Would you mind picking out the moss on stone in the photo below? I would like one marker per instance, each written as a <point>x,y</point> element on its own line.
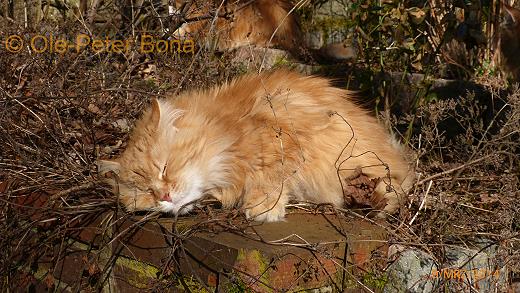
<point>326,25</point>
<point>375,281</point>
<point>143,272</point>
<point>193,285</point>
<point>282,61</point>
<point>256,257</point>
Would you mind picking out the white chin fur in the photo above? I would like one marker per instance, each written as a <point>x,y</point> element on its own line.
<point>169,207</point>
<point>182,202</point>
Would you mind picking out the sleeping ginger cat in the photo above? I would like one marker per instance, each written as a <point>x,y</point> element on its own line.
<point>259,140</point>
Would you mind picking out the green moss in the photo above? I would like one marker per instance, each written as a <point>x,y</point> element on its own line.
<point>325,25</point>
<point>376,281</point>
<point>255,256</point>
<point>282,61</point>
<point>331,23</point>
<point>238,286</point>
<point>193,285</point>
<point>142,272</point>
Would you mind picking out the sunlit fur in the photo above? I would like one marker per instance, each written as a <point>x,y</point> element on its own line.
<point>257,141</point>
<point>246,23</point>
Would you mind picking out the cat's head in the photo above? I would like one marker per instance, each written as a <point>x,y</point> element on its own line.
<point>149,175</point>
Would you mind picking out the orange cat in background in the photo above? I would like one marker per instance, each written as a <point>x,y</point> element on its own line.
<point>257,23</point>
<point>264,23</point>
<point>259,141</point>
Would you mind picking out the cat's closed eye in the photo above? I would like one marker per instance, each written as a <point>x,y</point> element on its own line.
<point>164,169</point>
<point>161,169</point>
<point>138,174</point>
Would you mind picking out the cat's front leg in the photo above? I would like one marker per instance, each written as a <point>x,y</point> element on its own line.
<point>265,204</point>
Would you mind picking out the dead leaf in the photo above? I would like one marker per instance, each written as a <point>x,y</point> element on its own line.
<point>359,189</point>
<point>49,280</point>
<point>487,199</point>
<point>94,109</point>
<point>416,14</point>
<point>93,269</point>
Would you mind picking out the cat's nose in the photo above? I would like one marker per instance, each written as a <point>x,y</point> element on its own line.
<point>166,197</point>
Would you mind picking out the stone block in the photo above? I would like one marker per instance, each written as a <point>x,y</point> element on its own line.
<point>306,251</point>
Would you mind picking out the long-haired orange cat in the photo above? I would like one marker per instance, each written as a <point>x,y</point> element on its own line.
<point>258,141</point>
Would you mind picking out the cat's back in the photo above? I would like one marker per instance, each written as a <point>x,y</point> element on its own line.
<point>279,90</point>
<point>285,94</point>
<point>280,96</point>
<point>253,92</point>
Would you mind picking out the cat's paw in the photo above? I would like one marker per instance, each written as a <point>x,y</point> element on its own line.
<point>388,198</point>
<point>261,213</point>
<point>394,201</point>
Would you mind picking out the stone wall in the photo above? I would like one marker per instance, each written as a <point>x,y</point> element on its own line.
<point>305,252</point>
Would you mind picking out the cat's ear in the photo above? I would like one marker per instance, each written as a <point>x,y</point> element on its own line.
<point>105,166</point>
<point>162,112</point>
<point>156,113</point>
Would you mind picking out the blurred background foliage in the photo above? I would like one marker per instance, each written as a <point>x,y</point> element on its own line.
<point>450,39</point>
